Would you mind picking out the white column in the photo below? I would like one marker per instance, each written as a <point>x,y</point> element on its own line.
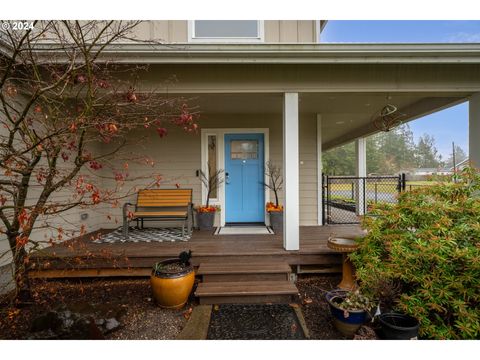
<point>291,220</point>
<point>474,130</point>
<point>319,171</point>
<point>360,171</point>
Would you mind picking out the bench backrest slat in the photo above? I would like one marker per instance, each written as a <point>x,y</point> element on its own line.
<point>164,198</point>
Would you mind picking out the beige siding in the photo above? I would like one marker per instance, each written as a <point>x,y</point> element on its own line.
<point>177,157</point>
<point>169,31</point>
<point>291,31</point>
<point>176,31</point>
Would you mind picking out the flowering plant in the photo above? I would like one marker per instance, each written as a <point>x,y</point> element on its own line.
<point>271,207</point>
<point>275,183</point>
<point>207,209</point>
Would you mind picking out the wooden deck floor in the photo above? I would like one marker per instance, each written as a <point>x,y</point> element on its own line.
<point>82,256</point>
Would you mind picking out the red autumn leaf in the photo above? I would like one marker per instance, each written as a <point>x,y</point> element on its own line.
<point>95,165</point>
<point>162,132</point>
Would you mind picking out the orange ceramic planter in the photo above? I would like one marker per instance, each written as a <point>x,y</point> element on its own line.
<point>171,290</point>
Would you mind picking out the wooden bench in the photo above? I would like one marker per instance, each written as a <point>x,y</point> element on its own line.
<point>160,205</point>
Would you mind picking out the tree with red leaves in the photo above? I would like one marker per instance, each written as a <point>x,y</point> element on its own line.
<point>60,97</point>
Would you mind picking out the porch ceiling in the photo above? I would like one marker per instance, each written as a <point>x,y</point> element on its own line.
<point>345,116</point>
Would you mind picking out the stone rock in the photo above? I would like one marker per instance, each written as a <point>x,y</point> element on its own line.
<point>77,321</point>
<point>111,324</point>
<point>365,333</point>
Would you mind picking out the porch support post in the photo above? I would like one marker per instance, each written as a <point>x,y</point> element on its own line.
<point>319,171</point>
<point>474,130</point>
<point>360,171</point>
<point>291,221</point>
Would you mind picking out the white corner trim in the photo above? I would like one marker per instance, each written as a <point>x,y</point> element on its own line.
<point>291,172</point>
<point>360,171</point>
<point>319,171</point>
<point>317,31</point>
<point>206,40</point>
<point>474,130</point>
<point>220,133</point>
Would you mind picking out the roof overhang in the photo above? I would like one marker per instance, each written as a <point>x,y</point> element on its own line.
<point>312,53</point>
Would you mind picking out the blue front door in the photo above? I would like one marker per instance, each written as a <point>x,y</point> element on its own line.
<point>244,175</point>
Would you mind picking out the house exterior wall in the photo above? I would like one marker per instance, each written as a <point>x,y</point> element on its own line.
<point>178,155</point>
<point>69,220</point>
<point>276,31</point>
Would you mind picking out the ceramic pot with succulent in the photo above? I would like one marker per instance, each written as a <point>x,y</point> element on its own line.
<point>211,180</point>
<point>172,281</point>
<point>350,310</point>
<point>275,183</point>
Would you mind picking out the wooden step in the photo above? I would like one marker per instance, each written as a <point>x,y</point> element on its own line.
<point>228,272</point>
<point>245,292</point>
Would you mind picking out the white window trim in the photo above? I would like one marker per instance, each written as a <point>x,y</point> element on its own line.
<point>220,133</point>
<point>193,38</point>
<point>216,200</point>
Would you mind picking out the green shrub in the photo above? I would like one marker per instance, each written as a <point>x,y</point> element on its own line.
<point>428,248</point>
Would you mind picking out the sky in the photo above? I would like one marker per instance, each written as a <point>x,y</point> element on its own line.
<point>446,126</point>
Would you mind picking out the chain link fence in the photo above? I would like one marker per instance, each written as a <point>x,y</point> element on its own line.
<point>347,198</point>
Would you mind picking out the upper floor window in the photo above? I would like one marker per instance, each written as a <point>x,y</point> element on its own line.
<point>226,31</point>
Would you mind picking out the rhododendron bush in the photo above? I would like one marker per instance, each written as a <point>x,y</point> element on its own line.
<point>427,248</point>
<point>58,106</point>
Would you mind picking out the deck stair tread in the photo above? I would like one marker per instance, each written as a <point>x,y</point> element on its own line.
<point>246,288</point>
<point>243,268</point>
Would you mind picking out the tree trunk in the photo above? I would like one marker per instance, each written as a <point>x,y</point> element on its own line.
<point>22,282</point>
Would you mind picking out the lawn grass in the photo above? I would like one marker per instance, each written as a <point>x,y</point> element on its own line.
<point>380,187</point>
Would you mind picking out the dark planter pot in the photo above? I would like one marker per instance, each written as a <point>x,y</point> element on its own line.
<point>205,220</point>
<point>171,290</point>
<point>276,221</point>
<point>394,326</point>
<point>347,322</point>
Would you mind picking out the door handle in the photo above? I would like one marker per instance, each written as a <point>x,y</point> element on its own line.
<point>227,178</point>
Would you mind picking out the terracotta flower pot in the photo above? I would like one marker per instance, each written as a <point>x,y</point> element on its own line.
<point>171,289</point>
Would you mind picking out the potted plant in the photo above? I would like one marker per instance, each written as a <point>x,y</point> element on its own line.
<point>390,324</point>
<point>275,183</point>
<point>350,310</point>
<point>172,281</point>
<point>396,326</point>
<point>206,216</point>
<point>206,213</point>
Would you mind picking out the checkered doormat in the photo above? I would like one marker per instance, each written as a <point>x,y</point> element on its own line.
<point>145,235</point>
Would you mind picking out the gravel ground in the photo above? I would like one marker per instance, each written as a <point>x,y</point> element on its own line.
<point>315,309</point>
<point>142,319</point>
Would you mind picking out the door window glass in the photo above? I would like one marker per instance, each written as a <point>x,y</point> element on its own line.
<point>244,149</point>
<point>212,159</point>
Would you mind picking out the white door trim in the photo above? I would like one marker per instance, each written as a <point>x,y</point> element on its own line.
<point>220,133</point>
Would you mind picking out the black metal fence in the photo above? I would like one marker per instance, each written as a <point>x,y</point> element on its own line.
<point>347,198</point>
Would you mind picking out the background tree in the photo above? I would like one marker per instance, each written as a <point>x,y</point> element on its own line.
<point>387,153</point>
<point>339,160</point>
<point>398,149</point>
<point>460,155</point>
<point>57,106</point>
<point>426,153</point>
